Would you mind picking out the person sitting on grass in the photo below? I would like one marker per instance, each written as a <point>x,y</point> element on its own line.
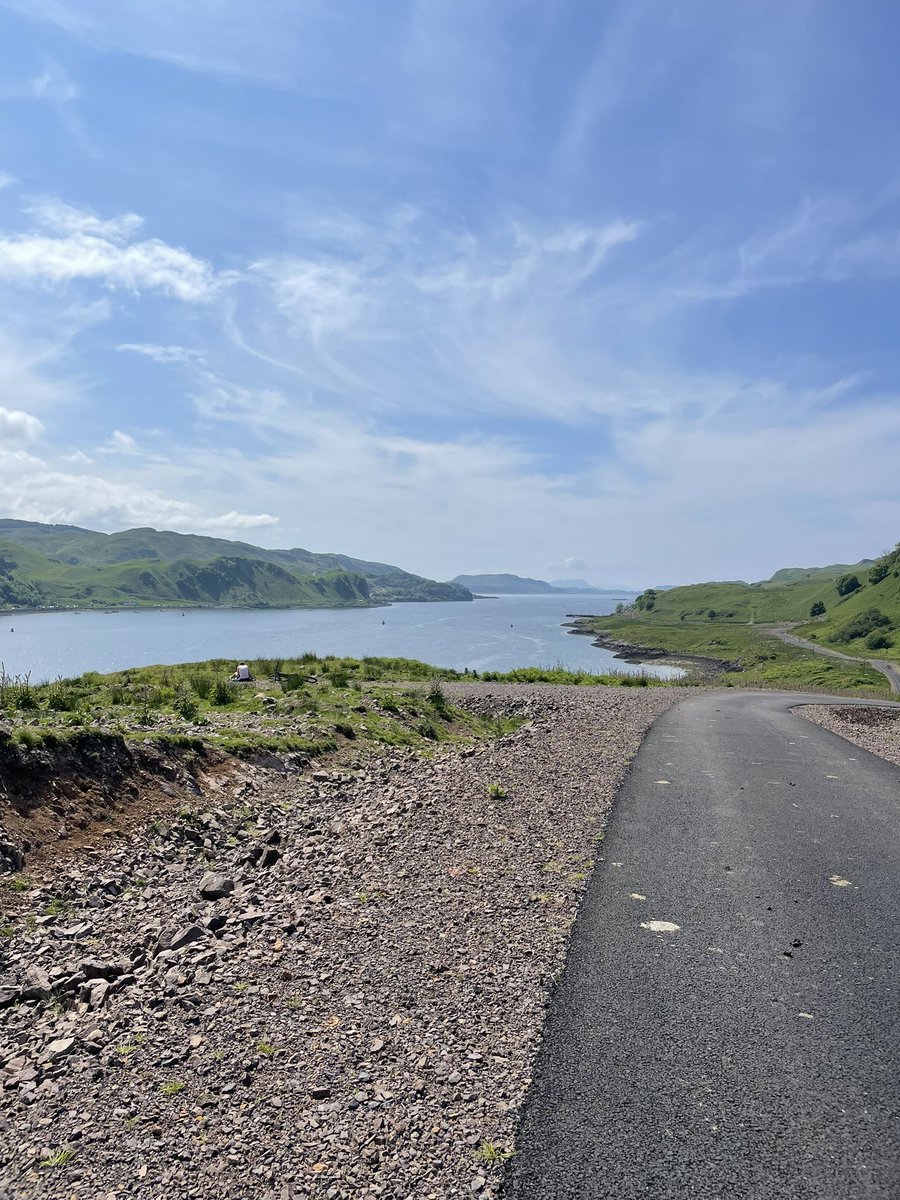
<point>242,674</point>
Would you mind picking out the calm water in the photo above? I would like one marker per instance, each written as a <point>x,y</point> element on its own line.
<point>487,635</point>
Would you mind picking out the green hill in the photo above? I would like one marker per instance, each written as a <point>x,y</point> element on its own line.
<point>852,608</point>
<point>63,565</point>
<point>788,596</point>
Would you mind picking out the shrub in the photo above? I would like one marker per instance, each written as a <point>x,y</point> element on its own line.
<point>186,706</point>
<point>878,641</point>
<point>861,625</point>
<point>202,684</point>
<point>847,584</point>
<point>880,571</point>
<point>817,609</point>
<point>222,693</point>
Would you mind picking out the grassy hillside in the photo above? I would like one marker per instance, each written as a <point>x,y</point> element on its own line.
<point>866,620</point>
<point>853,609</point>
<point>757,659</point>
<point>788,596</point>
<point>29,580</point>
<point>66,565</point>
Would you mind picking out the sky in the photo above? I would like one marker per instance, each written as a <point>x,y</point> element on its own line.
<point>558,287</point>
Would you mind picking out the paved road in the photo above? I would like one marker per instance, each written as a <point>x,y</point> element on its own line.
<point>753,1052</point>
<point>888,669</point>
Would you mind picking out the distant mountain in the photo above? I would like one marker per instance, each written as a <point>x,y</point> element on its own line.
<point>581,585</point>
<point>573,585</point>
<point>44,566</point>
<point>512,585</point>
<point>522,585</point>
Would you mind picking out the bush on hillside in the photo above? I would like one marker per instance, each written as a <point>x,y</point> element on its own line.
<point>847,584</point>
<point>867,622</point>
<point>878,641</point>
<point>817,609</point>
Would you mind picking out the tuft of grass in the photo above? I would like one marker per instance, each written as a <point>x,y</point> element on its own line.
<point>265,1047</point>
<point>59,1159</point>
<point>172,1087</point>
<point>488,1152</point>
<point>496,791</point>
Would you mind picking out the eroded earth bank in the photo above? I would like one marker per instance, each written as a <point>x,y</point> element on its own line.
<point>319,983</point>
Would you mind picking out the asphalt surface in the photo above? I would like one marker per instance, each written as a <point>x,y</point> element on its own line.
<point>753,1051</point>
<point>891,671</point>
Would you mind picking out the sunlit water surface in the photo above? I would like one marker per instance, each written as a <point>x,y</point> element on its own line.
<point>486,635</point>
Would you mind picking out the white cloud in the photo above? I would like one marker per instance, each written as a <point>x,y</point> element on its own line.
<point>6,180</point>
<point>319,298</point>
<point>166,355</point>
<point>35,489</point>
<point>65,219</point>
<point>53,84</point>
<point>19,426</point>
<point>92,248</point>
<point>122,443</point>
<point>138,267</point>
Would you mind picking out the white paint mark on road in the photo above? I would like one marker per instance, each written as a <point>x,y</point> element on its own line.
<point>807,1016</point>
<point>832,776</point>
<point>637,896</point>
<point>660,926</point>
<point>838,881</point>
<point>664,781</point>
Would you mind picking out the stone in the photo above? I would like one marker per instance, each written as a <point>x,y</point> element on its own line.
<point>61,1047</point>
<point>96,968</point>
<point>37,985</point>
<point>214,886</point>
<point>187,936</point>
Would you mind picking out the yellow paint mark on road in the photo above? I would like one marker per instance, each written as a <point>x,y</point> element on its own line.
<point>663,781</point>
<point>838,881</point>
<point>660,926</point>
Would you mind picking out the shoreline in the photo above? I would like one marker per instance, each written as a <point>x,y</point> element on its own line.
<point>699,665</point>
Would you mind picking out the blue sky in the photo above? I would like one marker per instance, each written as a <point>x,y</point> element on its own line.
<point>556,287</point>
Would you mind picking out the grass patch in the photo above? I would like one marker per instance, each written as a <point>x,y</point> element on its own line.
<point>758,658</point>
<point>59,1159</point>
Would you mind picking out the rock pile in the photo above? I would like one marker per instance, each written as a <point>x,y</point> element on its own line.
<point>328,985</point>
<point>874,729</point>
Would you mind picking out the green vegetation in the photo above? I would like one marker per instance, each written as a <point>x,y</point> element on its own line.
<point>867,618</point>
<point>489,1153</point>
<point>59,1159</point>
<point>45,566</point>
<point>755,656</point>
<point>172,1087</point>
<point>308,705</point>
<point>854,608</point>
<point>496,791</point>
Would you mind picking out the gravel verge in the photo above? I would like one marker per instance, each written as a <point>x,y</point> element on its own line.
<point>874,729</point>
<point>321,985</point>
